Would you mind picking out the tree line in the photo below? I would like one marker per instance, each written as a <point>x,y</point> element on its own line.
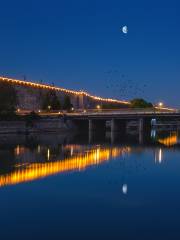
<point>49,100</point>
<point>134,103</point>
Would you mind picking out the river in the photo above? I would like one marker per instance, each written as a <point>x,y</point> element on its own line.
<point>68,187</point>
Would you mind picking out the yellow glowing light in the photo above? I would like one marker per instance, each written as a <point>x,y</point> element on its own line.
<point>49,87</point>
<point>17,150</point>
<point>160,104</point>
<point>48,154</point>
<point>98,106</point>
<point>170,140</point>
<point>78,162</point>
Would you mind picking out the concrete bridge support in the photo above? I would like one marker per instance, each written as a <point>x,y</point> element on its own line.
<point>114,136</point>
<point>144,127</point>
<point>141,124</point>
<point>141,130</point>
<point>97,125</point>
<point>118,127</point>
<point>81,125</point>
<point>97,129</point>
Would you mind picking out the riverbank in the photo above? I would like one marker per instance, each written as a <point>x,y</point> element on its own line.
<point>36,126</point>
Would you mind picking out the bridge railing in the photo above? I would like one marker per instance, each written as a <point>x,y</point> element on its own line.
<point>100,111</point>
<point>125,111</point>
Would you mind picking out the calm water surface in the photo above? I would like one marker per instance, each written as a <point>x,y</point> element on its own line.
<point>73,187</point>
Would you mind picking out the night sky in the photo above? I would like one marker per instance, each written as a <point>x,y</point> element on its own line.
<point>80,45</point>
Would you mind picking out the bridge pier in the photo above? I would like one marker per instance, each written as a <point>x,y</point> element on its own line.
<point>141,124</point>
<point>114,137</point>
<point>141,130</point>
<point>97,125</point>
<point>91,125</point>
<point>118,125</point>
<point>81,125</point>
<point>97,129</point>
<point>90,137</point>
<point>144,129</point>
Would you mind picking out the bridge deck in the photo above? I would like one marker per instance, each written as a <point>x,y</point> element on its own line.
<point>128,114</point>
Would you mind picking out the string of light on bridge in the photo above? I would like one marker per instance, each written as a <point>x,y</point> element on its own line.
<point>67,91</point>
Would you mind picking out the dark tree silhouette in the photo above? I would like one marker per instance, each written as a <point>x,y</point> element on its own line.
<point>67,105</point>
<point>51,101</point>
<point>140,103</point>
<point>8,97</point>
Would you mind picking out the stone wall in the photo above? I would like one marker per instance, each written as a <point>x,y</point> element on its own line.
<point>42,125</point>
<point>30,96</point>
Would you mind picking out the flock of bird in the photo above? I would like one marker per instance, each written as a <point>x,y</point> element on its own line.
<point>121,86</point>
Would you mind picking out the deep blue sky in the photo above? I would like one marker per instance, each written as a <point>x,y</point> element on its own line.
<point>79,45</point>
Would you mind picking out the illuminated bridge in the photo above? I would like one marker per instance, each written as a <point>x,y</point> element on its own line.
<point>97,121</point>
<point>30,95</point>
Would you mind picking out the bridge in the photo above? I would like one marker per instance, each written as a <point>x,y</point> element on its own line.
<point>99,121</point>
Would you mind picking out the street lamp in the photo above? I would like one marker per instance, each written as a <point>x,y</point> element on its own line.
<point>49,107</point>
<point>98,106</point>
<point>160,104</point>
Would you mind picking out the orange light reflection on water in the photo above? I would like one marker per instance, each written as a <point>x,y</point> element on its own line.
<point>79,162</point>
<point>170,140</point>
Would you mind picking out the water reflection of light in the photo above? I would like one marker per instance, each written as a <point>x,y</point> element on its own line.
<point>170,140</point>
<point>124,189</point>
<point>19,150</point>
<point>158,156</point>
<point>39,149</point>
<point>72,150</point>
<point>153,133</point>
<point>48,154</point>
<point>74,146</point>
<point>77,162</point>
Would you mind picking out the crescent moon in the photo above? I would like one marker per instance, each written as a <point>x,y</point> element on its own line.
<point>125,29</point>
